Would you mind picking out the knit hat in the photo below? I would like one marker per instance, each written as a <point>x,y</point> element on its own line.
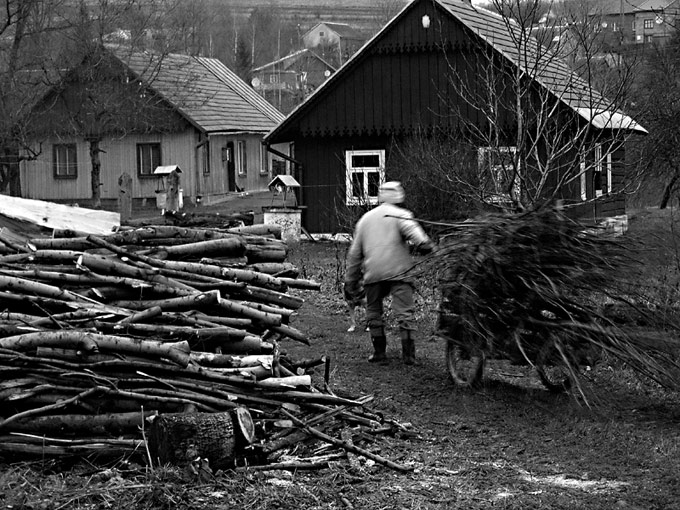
<point>391,192</point>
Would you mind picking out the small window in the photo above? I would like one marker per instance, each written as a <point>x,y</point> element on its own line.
<point>498,174</point>
<point>64,161</point>
<point>649,24</point>
<point>205,158</point>
<point>609,172</point>
<point>365,172</point>
<point>278,167</point>
<point>241,159</point>
<point>148,158</point>
<point>264,160</point>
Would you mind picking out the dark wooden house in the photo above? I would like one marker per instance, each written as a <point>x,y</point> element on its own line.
<point>410,78</point>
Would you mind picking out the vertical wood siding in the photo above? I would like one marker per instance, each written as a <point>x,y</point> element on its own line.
<point>404,82</point>
<point>120,155</point>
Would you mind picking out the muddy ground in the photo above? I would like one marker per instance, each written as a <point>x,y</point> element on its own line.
<point>510,444</point>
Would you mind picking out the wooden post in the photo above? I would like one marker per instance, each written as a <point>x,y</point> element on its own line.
<point>125,198</point>
<point>172,199</point>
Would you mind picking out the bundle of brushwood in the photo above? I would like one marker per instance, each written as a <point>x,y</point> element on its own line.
<point>536,286</point>
<point>160,341</point>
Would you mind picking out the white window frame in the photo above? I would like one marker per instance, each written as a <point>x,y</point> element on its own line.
<point>598,170</point>
<point>205,157</point>
<point>351,170</point>
<point>151,148</point>
<point>485,165</point>
<point>65,161</point>
<point>584,182</point>
<point>609,173</point>
<point>264,160</point>
<point>241,157</point>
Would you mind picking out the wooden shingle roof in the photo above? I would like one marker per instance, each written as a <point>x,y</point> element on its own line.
<point>504,37</point>
<point>205,91</point>
<point>552,72</point>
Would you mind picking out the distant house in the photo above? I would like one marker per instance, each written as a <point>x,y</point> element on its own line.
<point>336,42</point>
<point>401,85</point>
<point>286,82</point>
<point>617,20</point>
<point>656,21</point>
<point>145,110</point>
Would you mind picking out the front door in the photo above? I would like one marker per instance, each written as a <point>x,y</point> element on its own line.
<point>230,167</point>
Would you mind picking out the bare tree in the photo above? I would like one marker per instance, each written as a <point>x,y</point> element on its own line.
<point>95,94</point>
<point>384,11</point>
<point>526,131</point>
<point>28,31</point>
<point>657,97</point>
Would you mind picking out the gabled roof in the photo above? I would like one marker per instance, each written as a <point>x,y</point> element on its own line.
<point>289,60</point>
<point>205,91</point>
<point>656,5</point>
<point>613,7</point>
<point>501,34</point>
<point>344,30</point>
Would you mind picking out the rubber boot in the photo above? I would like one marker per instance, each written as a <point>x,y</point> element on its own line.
<point>379,348</point>
<point>408,348</point>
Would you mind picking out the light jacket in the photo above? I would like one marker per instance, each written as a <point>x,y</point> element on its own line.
<point>379,250</point>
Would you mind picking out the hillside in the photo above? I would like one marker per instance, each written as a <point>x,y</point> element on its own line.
<point>361,14</point>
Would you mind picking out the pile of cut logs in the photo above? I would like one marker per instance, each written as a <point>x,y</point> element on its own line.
<point>163,341</point>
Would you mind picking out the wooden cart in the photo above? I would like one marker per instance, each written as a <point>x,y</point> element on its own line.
<point>535,339</point>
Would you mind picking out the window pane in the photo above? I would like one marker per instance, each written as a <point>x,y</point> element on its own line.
<point>148,157</point>
<point>366,160</point>
<point>64,160</point>
<point>357,185</point>
<point>155,157</point>
<point>373,183</point>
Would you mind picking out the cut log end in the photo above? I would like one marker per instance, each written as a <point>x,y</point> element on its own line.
<point>179,438</point>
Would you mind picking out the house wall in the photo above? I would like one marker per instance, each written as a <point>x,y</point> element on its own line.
<point>661,25</point>
<point>119,155</point>
<point>314,37</point>
<point>402,84</point>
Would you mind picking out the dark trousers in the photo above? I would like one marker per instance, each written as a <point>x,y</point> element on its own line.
<point>402,305</point>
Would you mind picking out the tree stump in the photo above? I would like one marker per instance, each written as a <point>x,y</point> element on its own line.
<point>180,438</point>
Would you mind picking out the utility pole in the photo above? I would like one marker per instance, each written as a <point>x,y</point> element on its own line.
<point>622,20</point>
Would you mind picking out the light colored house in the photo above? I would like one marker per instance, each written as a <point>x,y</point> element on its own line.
<point>616,19</point>
<point>656,21</point>
<point>286,82</point>
<point>336,42</point>
<point>143,111</point>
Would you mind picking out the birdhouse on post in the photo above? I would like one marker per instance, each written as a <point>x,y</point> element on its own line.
<point>168,192</point>
<point>288,218</point>
<point>281,185</point>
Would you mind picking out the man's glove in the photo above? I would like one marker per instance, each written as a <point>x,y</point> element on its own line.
<point>426,247</point>
<point>353,291</point>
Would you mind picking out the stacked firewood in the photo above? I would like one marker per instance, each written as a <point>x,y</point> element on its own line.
<point>171,329</point>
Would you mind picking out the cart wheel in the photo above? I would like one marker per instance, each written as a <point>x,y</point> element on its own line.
<point>465,367</point>
<point>552,369</point>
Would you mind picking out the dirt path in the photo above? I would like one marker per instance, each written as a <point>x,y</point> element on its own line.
<point>510,444</point>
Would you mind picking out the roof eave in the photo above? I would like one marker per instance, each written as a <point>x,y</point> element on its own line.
<point>610,120</point>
